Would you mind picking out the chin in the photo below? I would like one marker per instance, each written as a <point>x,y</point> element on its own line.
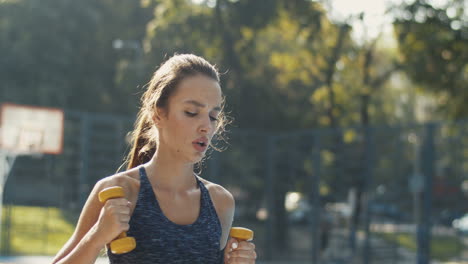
<point>198,158</point>
<point>194,158</point>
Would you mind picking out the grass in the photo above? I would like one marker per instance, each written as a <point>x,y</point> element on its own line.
<point>443,248</point>
<point>28,230</point>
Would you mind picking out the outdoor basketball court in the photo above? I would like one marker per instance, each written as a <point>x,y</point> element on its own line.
<point>38,260</point>
<point>48,260</point>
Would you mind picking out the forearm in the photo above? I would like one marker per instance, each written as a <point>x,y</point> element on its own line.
<point>86,251</point>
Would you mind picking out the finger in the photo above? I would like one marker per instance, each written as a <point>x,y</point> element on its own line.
<point>118,210</point>
<point>245,245</point>
<point>124,218</point>
<point>118,202</point>
<point>123,210</point>
<point>248,254</point>
<point>236,260</point>
<point>124,226</point>
<point>121,202</point>
<point>228,249</point>
<point>232,244</point>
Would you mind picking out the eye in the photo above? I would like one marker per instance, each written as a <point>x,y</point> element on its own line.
<point>213,119</point>
<point>190,114</point>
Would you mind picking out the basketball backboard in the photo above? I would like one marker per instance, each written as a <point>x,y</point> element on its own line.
<point>31,129</point>
<point>27,130</point>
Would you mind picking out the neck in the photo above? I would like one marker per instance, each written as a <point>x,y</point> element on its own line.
<point>170,174</point>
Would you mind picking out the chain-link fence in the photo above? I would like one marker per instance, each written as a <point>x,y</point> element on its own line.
<point>375,195</point>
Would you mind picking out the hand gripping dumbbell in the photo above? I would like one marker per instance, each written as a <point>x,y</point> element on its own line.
<point>241,233</point>
<point>122,243</point>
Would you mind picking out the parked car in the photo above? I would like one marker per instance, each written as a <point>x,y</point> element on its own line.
<point>386,210</point>
<point>461,224</point>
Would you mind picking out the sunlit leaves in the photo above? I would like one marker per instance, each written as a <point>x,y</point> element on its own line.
<point>434,47</point>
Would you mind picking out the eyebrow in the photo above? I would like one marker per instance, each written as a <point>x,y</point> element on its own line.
<point>198,104</point>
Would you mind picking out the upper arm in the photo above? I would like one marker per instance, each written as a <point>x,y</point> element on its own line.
<point>225,205</point>
<point>88,217</point>
<point>90,212</point>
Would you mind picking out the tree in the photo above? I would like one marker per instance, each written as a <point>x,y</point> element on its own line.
<point>433,45</point>
<point>60,53</point>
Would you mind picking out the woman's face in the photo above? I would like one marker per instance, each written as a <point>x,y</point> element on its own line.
<point>187,129</point>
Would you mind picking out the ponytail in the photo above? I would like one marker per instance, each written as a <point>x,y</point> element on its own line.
<point>144,143</point>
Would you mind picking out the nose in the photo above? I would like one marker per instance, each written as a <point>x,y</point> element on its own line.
<point>206,126</point>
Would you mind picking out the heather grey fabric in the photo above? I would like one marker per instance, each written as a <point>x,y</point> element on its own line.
<point>160,240</point>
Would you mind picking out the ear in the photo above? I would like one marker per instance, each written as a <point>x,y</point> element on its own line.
<point>157,117</point>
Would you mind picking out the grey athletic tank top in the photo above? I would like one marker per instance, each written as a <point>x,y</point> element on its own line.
<point>159,240</point>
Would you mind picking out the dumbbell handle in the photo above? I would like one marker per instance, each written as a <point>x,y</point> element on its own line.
<point>122,243</point>
<point>112,193</point>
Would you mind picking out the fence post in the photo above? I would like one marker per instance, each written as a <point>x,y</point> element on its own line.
<point>84,157</point>
<point>6,227</point>
<point>424,225</point>
<point>6,167</point>
<point>315,199</point>
<point>120,139</point>
<point>368,182</point>
<point>270,196</point>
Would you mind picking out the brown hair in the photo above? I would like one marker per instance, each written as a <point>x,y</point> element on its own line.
<point>162,85</point>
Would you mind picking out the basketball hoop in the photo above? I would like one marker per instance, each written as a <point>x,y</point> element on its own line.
<point>27,130</point>
<point>29,141</point>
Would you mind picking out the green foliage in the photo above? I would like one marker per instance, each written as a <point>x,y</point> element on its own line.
<point>433,43</point>
<point>277,62</point>
<point>59,53</point>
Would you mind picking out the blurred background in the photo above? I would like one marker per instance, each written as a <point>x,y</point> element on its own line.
<point>349,137</point>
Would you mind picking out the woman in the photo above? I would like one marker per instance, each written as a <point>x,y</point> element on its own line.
<point>174,215</point>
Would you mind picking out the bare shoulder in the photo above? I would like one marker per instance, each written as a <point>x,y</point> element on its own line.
<point>224,204</point>
<point>222,198</point>
<point>91,210</point>
<point>126,179</point>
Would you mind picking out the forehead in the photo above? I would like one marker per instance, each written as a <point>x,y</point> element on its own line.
<point>199,88</point>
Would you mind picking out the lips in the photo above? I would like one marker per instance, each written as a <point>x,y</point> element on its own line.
<point>200,144</point>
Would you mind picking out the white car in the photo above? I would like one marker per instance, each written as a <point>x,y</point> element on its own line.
<point>461,224</point>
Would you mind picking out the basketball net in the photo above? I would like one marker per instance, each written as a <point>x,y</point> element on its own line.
<point>28,142</point>
<point>27,130</point>
<point>23,140</point>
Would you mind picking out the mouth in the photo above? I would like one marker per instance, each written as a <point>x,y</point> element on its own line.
<point>200,144</point>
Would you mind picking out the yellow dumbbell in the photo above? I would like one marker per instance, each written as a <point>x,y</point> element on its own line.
<point>241,233</point>
<point>122,243</point>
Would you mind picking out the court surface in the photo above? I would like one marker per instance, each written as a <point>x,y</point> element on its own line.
<point>48,260</point>
<point>38,260</point>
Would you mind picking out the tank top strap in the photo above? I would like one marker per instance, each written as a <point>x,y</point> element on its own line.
<point>205,196</point>
<point>207,203</point>
<point>142,171</point>
<point>145,185</point>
